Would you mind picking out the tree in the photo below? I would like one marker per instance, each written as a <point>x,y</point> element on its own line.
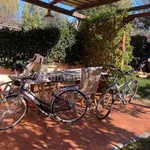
<point>32,16</point>
<point>8,9</point>
<point>58,20</point>
<point>141,25</point>
<point>122,4</point>
<point>141,47</point>
<point>68,50</point>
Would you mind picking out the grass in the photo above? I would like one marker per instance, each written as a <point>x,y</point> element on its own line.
<point>142,144</point>
<point>143,93</point>
<point>144,86</point>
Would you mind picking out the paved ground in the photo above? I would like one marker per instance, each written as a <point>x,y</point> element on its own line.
<point>35,132</point>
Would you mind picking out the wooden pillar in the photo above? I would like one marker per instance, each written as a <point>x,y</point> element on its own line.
<point>123,48</point>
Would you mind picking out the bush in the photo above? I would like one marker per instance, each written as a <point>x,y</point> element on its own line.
<point>68,50</point>
<point>26,43</point>
<point>53,43</point>
<point>141,46</point>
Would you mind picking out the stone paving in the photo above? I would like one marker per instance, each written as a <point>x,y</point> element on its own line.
<point>36,132</point>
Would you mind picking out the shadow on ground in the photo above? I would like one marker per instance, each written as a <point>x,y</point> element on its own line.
<point>36,132</point>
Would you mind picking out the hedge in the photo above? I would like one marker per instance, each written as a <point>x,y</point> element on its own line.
<point>51,42</point>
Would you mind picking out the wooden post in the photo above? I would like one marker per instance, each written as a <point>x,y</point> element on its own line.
<point>123,48</point>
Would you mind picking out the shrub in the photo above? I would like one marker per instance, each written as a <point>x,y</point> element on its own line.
<point>51,42</point>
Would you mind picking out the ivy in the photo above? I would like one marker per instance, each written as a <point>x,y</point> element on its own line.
<point>102,36</point>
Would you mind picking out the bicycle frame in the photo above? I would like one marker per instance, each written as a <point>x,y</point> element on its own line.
<point>32,98</point>
<point>118,87</point>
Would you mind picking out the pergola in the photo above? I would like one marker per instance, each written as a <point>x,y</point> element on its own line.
<point>77,5</point>
<point>139,15</point>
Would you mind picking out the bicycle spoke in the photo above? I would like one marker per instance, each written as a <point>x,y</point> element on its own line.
<point>77,106</point>
<point>12,113</point>
<point>104,105</point>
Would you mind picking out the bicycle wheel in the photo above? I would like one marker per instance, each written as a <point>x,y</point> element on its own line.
<point>12,111</point>
<point>104,105</point>
<point>70,105</point>
<point>130,90</point>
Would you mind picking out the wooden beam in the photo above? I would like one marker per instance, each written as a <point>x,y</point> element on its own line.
<point>124,42</point>
<point>72,3</point>
<point>94,4</point>
<point>123,49</point>
<point>38,3</point>
<point>140,7</point>
<point>140,15</point>
<point>55,2</point>
<point>56,8</point>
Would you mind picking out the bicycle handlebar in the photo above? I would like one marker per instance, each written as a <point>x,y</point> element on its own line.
<point>25,78</point>
<point>120,71</point>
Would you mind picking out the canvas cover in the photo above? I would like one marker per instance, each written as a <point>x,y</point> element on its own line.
<point>90,78</point>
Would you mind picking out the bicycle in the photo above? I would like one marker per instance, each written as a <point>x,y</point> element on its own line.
<point>124,92</point>
<point>65,105</point>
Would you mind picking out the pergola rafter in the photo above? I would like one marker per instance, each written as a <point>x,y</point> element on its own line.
<point>55,8</point>
<point>75,4</point>
<point>54,2</point>
<point>132,17</point>
<point>140,7</point>
<point>94,4</point>
<point>138,15</point>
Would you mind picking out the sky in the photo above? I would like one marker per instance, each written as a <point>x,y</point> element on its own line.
<point>60,5</point>
<point>135,3</point>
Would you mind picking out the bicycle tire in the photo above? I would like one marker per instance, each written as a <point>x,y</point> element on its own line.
<point>67,102</point>
<point>130,89</point>
<point>102,102</point>
<point>11,109</point>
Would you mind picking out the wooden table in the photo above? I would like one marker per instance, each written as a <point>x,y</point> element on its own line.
<point>46,78</point>
<point>69,76</point>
